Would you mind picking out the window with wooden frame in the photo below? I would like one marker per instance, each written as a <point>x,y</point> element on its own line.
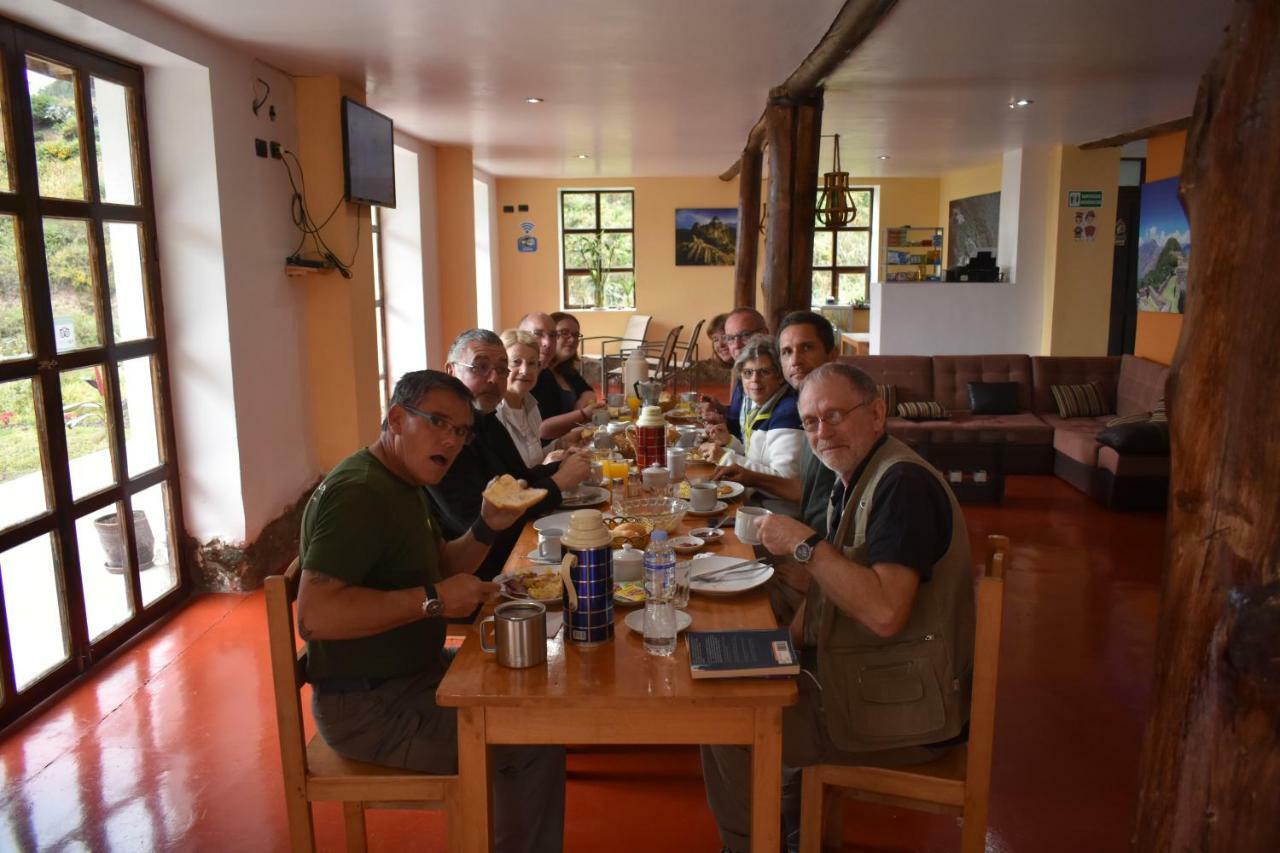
<point>842,256</point>
<point>90,510</point>
<point>597,249</point>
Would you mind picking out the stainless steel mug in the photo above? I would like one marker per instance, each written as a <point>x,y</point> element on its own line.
<point>519,630</point>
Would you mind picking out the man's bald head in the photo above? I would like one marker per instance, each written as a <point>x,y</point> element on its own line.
<point>544,329</point>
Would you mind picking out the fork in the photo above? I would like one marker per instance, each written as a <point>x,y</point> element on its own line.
<point>744,567</point>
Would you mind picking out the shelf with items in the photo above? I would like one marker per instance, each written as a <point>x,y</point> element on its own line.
<point>913,254</point>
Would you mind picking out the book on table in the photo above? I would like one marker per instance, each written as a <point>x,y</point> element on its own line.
<point>762,652</point>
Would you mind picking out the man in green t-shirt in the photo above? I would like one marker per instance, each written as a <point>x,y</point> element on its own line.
<point>806,341</point>
<point>377,581</point>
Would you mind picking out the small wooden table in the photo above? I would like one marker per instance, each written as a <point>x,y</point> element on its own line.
<point>616,693</point>
<point>858,342</point>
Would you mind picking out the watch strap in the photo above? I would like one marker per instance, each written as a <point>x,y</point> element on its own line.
<point>483,533</point>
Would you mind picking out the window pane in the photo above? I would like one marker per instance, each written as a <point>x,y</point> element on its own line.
<point>113,140</point>
<point>103,563</point>
<point>138,395</point>
<point>582,292</point>
<point>579,210</point>
<point>579,251</point>
<point>822,248</point>
<point>821,286</point>
<point>23,493</point>
<point>853,288</point>
<point>618,251</point>
<point>85,417</point>
<point>615,210</point>
<point>34,607</point>
<point>862,201</point>
<point>71,284</point>
<point>152,519</point>
<point>620,290</point>
<point>126,281</point>
<point>853,249</point>
<point>56,122</point>
<point>14,342</point>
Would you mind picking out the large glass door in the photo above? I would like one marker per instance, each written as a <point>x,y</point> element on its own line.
<point>89,504</point>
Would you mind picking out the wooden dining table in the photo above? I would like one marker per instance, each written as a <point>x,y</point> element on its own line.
<point>616,693</point>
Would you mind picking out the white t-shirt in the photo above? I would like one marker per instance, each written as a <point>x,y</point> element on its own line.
<point>524,425</point>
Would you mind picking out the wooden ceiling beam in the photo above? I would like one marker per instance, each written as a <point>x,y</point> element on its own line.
<point>1135,135</point>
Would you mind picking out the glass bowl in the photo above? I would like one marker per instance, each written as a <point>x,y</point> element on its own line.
<point>663,513</point>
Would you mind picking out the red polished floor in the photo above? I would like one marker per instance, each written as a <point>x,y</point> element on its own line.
<point>172,746</point>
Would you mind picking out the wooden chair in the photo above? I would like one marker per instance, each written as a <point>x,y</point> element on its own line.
<point>312,770</point>
<point>956,784</point>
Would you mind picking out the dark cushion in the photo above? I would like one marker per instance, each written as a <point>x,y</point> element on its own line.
<point>993,398</point>
<point>1146,438</point>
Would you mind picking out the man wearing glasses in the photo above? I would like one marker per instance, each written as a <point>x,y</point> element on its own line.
<point>740,326</point>
<point>378,579</point>
<point>479,360</point>
<point>560,408</point>
<point>886,630</point>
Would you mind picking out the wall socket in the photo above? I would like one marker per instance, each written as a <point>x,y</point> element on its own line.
<point>260,147</point>
<point>275,151</point>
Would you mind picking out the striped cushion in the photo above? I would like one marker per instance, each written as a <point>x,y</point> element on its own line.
<point>1158,414</point>
<point>1080,401</point>
<point>1140,417</point>
<point>929,411</point>
<point>889,395</point>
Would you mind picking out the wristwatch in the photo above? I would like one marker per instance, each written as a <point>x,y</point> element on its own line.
<point>803,551</point>
<point>431,606</point>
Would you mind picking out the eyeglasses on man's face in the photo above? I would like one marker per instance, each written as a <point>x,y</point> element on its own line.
<point>484,369</point>
<point>750,373</point>
<point>742,336</point>
<point>831,417</point>
<point>440,424</point>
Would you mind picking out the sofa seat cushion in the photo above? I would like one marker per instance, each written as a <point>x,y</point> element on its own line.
<point>1078,443</point>
<point>909,431</point>
<point>1140,386</point>
<point>1129,465</point>
<point>1022,428</point>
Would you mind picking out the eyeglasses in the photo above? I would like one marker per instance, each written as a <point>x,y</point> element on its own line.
<point>742,336</point>
<point>832,417</point>
<point>566,335</point>
<point>483,370</point>
<point>440,423</point>
<point>762,372</point>
<point>543,334</point>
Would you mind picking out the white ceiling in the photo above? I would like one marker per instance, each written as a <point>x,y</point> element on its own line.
<point>671,87</point>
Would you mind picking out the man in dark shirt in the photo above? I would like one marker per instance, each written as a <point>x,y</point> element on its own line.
<point>479,360</point>
<point>378,578</point>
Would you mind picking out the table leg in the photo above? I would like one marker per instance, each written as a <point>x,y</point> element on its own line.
<point>766,781</point>
<point>473,780</point>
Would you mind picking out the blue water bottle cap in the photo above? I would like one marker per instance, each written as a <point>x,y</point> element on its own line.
<point>658,536</point>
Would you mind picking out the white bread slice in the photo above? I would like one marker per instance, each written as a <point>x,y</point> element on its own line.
<point>505,493</point>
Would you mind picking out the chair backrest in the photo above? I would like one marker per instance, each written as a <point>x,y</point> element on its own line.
<point>986,666</point>
<point>691,351</point>
<point>637,328</point>
<point>288,672</point>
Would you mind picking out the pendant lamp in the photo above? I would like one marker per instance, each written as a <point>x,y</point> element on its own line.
<point>835,207</point>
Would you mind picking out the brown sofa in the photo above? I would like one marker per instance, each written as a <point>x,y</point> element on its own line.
<point>1034,440</point>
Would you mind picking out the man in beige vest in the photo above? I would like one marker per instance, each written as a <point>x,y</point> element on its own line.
<point>886,631</point>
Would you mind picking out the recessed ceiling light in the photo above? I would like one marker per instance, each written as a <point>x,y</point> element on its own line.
<point>584,156</point>
<point>884,156</point>
<point>533,100</point>
<point>1020,102</point>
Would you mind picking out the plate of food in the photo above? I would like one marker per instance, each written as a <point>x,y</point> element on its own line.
<point>584,496</point>
<point>536,582</point>
<point>629,593</point>
<point>726,490</point>
<point>687,544</point>
<point>731,582</point>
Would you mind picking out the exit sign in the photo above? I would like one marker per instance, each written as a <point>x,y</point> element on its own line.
<point>1084,198</point>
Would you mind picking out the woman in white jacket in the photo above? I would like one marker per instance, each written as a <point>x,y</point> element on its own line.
<point>772,439</point>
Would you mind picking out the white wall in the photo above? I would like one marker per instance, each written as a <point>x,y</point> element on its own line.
<point>223,230</point>
<point>969,318</point>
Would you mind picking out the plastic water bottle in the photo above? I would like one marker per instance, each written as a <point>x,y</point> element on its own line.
<point>659,596</point>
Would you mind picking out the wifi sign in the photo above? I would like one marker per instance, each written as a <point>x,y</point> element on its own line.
<point>526,227</point>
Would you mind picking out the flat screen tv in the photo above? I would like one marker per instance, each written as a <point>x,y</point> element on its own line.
<point>367,153</point>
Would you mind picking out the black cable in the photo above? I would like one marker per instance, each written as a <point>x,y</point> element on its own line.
<point>305,222</point>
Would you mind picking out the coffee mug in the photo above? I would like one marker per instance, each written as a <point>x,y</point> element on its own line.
<point>702,496</point>
<point>519,633</point>
<point>549,543</point>
<point>747,524</point>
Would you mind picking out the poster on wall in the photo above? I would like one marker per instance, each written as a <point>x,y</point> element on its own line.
<point>975,226</point>
<point>706,236</point>
<point>1164,248</point>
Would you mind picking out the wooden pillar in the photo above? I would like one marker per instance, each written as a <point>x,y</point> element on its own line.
<point>1211,760</point>
<point>744,270</point>
<point>793,129</point>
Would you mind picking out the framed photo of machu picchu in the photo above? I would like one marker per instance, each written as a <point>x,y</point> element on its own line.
<point>706,236</point>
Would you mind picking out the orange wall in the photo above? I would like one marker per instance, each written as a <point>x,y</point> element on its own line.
<point>456,241</point>
<point>673,295</point>
<point>963,183</point>
<point>1158,331</point>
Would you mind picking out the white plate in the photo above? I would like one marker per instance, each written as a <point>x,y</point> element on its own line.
<point>635,621</point>
<point>550,603</point>
<point>736,489</point>
<point>735,584</point>
<point>687,544</point>
<point>534,557</point>
<point>720,506</point>
<point>559,520</point>
<point>586,496</point>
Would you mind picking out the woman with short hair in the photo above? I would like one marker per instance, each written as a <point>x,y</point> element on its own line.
<point>518,411</point>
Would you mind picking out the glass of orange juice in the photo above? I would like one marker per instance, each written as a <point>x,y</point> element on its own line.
<point>616,469</point>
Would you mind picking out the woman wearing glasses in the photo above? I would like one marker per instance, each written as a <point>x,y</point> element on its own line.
<point>518,410</point>
<point>575,391</point>
<point>772,441</point>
